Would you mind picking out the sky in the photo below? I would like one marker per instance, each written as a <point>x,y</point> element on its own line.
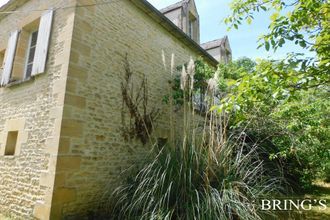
<point>243,41</point>
<point>2,2</point>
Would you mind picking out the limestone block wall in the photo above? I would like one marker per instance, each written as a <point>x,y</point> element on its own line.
<point>92,152</point>
<point>176,17</point>
<point>34,109</point>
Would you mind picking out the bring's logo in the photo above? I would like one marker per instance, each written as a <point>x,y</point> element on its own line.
<point>292,204</point>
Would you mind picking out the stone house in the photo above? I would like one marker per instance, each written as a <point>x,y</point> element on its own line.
<point>219,49</point>
<point>184,15</point>
<point>63,62</point>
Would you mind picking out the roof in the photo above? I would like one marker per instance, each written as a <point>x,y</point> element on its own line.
<point>151,11</point>
<point>160,18</point>
<point>214,43</point>
<point>173,6</point>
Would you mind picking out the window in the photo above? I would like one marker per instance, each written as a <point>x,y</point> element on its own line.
<point>192,26</point>
<point>27,50</point>
<point>30,54</point>
<point>12,137</point>
<point>11,143</point>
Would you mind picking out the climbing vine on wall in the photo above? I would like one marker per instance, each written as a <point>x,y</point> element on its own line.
<point>136,103</point>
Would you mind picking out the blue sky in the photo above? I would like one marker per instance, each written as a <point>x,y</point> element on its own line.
<point>244,40</point>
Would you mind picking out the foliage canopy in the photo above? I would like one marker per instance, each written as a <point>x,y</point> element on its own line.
<point>303,22</point>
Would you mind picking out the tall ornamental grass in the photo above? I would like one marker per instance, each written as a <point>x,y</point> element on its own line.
<point>198,175</point>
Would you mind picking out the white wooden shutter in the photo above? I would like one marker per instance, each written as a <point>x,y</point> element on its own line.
<point>39,61</point>
<point>9,58</point>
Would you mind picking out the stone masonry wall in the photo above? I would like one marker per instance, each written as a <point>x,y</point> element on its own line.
<point>92,152</point>
<point>34,108</point>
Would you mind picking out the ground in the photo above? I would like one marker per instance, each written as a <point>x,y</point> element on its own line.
<point>322,191</point>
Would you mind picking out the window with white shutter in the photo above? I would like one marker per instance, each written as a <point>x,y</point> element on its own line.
<point>32,42</point>
<point>41,51</point>
<point>9,58</point>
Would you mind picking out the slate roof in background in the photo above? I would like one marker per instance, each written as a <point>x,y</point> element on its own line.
<point>214,43</point>
<point>173,6</point>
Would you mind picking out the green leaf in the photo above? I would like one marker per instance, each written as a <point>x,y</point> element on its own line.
<point>302,43</point>
<point>272,42</point>
<point>281,42</point>
<point>274,16</point>
<point>263,8</point>
<point>249,20</point>
<point>231,82</point>
<point>267,45</point>
<point>260,45</point>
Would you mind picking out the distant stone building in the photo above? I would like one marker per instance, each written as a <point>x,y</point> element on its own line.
<point>184,14</point>
<point>219,49</point>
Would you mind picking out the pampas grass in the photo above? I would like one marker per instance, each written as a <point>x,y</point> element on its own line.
<point>202,177</point>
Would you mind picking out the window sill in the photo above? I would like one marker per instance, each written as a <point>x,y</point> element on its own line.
<point>8,157</point>
<point>18,82</point>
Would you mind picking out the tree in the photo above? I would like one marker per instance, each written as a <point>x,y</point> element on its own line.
<point>292,126</point>
<point>271,101</point>
<point>304,22</point>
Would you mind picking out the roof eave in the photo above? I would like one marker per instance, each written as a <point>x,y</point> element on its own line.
<point>173,7</point>
<point>174,30</point>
